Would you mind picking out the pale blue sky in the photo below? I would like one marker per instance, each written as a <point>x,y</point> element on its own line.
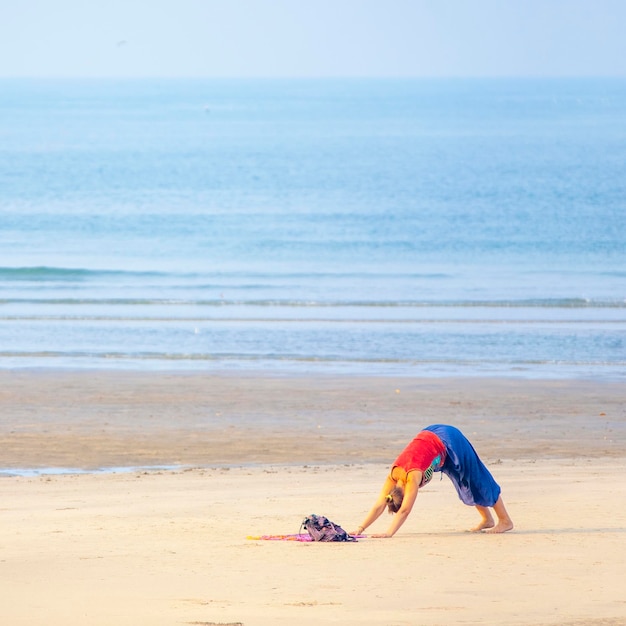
<point>267,38</point>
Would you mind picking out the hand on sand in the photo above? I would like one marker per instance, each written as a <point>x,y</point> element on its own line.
<point>381,536</point>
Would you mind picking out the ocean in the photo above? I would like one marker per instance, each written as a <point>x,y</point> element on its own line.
<point>383,227</point>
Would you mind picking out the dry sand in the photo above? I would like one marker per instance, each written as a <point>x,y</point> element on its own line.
<point>254,455</point>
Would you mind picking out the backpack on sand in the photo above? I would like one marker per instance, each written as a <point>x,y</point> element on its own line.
<point>320,528</point>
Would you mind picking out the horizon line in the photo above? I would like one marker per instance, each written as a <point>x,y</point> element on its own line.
<point>320,77</point>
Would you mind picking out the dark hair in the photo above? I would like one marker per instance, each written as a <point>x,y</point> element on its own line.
<point>394,499</point>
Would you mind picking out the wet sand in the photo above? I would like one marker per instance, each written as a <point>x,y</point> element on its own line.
<point>108,419</point>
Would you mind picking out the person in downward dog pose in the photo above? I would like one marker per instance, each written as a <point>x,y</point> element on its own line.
<point>439,448</point>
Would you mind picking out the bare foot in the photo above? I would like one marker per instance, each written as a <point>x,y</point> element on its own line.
<point>501,527</point>
<point>484,524</point>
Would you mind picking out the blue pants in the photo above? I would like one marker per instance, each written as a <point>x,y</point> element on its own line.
<point>472,480</point>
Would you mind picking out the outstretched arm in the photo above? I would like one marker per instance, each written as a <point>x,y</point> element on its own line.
<point>410,494</point>
<point>378,507</point>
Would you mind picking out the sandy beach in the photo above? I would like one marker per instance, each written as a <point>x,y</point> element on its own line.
<point>216,459</point>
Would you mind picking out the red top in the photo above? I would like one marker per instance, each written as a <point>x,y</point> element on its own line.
<point>425,453</point>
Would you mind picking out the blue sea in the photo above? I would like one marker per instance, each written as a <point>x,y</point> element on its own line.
<point>385,227</point>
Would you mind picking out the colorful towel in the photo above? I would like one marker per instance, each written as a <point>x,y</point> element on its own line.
<point>296,537</point>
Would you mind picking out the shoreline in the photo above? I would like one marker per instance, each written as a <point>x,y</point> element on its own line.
<point>98,420</point>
